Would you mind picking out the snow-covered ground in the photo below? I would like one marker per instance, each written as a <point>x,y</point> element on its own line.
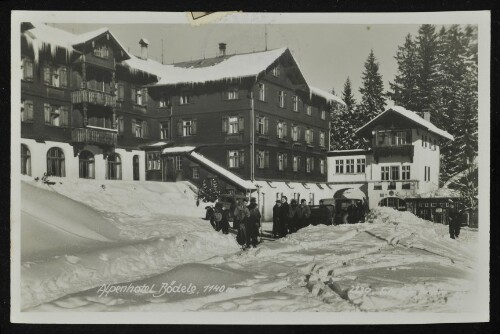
<point>142,246</point>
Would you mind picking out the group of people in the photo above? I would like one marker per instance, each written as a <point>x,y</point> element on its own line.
<point>289,218</point>
<point>246,220</point>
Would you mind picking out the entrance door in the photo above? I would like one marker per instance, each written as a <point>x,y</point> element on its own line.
<point>168,169</point>
<point>135,162</point>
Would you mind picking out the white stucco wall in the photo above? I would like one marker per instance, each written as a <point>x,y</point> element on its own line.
<point>39,160</point>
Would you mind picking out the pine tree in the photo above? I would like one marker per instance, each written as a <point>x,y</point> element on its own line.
<point>373,99</point>
<point>343,122</point>
<point>427,60</point>
<point>405,86</point>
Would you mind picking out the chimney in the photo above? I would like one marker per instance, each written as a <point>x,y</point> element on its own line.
<point>144,48</point>
<point>222,49</point>
<point>427,116</point>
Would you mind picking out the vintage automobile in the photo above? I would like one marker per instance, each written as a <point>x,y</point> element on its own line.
<point>345,210</point>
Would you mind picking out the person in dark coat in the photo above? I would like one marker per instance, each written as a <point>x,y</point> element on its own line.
<point>325,215</point>
<point>253,223</point>
<point>283,216</point>
<point>276,218</point>
<point>225,221</point>
<point>305,214</point>
<point>454,221</point>
<point>294,216</point>
<point>241,215</point>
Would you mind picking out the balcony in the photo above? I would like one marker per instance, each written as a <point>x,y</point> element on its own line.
<point>93,97</point>
<point>139,108</point>
<point>387,151</point>
<point>94,136</point>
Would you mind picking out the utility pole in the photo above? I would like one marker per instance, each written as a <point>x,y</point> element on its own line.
<point>265,36</point>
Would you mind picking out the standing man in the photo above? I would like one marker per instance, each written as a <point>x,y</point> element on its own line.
<point>306,213</point>
<point>253,223</point>
<point>454,221</point>
<point>284,210</point>
<point>294,216</point>
<point>325,216</point>
<point>241,215</point>
<point>276,218</point>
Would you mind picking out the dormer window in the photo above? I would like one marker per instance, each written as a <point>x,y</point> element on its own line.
<point>276,71</point>
<point>101,51</point>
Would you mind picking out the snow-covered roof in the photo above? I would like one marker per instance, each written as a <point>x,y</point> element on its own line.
<point>178,149</point>
<point>330,98</point>
<point>413,117</point>
<point>44,34</point>
<point>146,65</point>
<point>230,67</point>
<point>223,171</point>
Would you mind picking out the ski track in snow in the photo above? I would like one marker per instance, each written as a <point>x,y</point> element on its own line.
<point>393,262</point>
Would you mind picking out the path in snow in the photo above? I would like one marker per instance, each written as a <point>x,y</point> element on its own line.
<point>395,262</point>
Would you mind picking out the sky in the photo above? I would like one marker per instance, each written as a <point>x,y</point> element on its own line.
<point>326,53</point>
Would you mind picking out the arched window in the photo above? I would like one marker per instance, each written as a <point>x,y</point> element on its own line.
<point>25,160</point>
<point>86,165</point>
<point>55,162</point>
<point>114,169</point>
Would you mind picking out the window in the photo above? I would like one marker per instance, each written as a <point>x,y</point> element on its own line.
<point>435,144</point>
<point>295,132</point>
<point>425,173</point>
<point>281,99</point>
<point>401,137</point>
<point>140,128</point>
<point>322,166</point>
<point>262,125</point>
<point>120,91</point>
<point>27,69</point>
<point>276,71</point>
<point>360,165</point>
<point>25,160</point>
<point>86,165</point>
<point>428,168</point>
<point>394,172</point>
<point>425,141</point>
<point>377,186</point>
<point>308,111</point>
<point>101,51</point>
<point>322,138</point>
<point>282,161</point>
<point>55,162</point>
<point>56,76</point>
<point>55,115</point>
<point>295,102</point>
<point>196,173</point>
<point>339,166</point>
<point>135,168</point>
<point>233,125</point>
<point>262,92</point>
<point>114,167</point>
<point>178,163</point>
<point>323,114</point>
<point>309,136</point>
<point>385,173</point>
<point>391,186</point>
<point>140,96</point>
<point>187,127</point>
<point>231,94</point>
<point>422,140</point>
<point>63,76</point>
<point>349,166</point>
<point>164,102</point>
<point>120,124</point>
<point>235,158</point>
<point>184,99</point>
<point>153,161</point>
<point>309,164</point>
<point>405,172</point>
<point>26,110</point>
<point>296,163</point>
<point>281,130</point>
<point>165,130</point>
<point>262,159</point>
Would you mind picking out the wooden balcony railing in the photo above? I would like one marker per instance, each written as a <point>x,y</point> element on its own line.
<point>93,97</point>
<point>387,151</point>
<point>91,136</point>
